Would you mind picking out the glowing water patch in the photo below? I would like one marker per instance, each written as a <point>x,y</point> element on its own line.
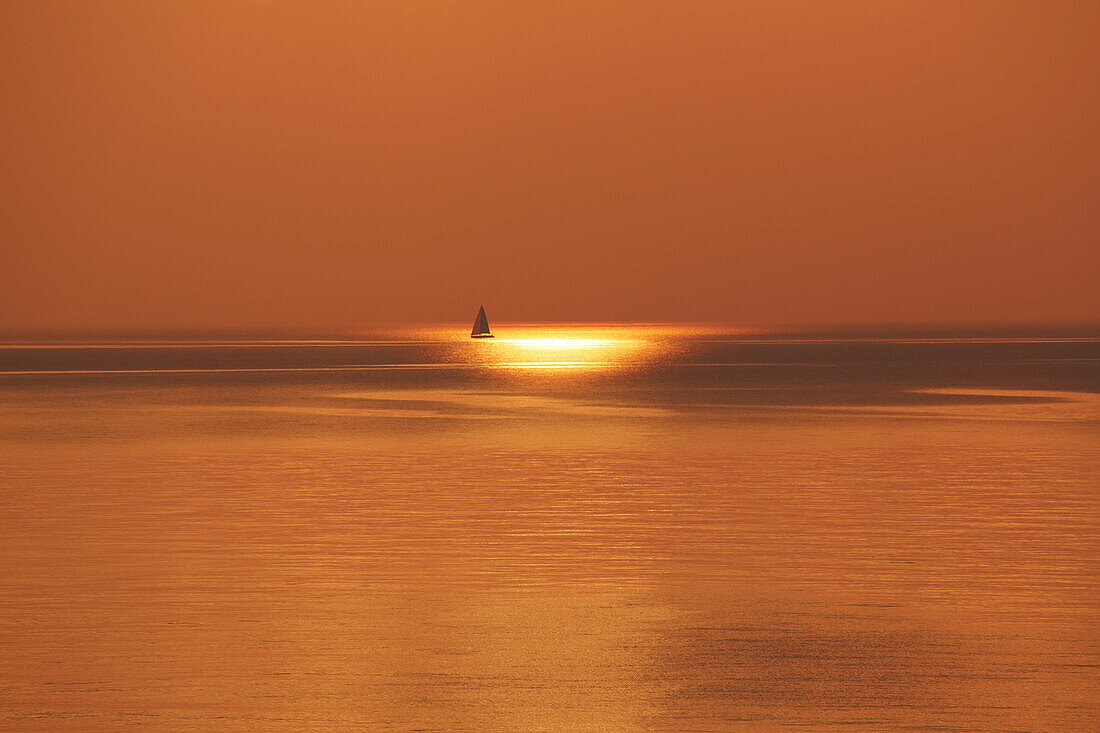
<point>564,342</point>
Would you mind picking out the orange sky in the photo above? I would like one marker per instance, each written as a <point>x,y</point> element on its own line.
<point>232,163</point>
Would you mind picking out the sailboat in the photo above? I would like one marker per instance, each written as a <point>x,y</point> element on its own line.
<point>481,326</point>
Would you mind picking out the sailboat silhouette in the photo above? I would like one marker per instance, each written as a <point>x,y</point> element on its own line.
<point>481,326</point>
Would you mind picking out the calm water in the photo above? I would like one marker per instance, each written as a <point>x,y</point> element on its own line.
<point>582,529</point>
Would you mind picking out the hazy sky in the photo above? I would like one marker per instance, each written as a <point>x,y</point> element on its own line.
<point>232,163</point>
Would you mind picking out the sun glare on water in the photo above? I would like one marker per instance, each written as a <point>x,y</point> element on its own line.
<point>561,346</point>
<point>559,342</point>
<point>558,347</point>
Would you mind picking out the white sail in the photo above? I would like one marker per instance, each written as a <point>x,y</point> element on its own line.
<point>481,326</point>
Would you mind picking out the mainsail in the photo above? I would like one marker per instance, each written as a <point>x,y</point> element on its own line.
<point>481,326</point>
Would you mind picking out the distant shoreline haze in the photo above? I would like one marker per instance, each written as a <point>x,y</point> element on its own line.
<point>458,329</point>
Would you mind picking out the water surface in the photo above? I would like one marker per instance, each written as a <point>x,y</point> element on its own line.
<point>564,528</point>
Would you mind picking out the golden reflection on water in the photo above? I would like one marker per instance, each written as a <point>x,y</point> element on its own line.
<point>557,353</point>
<point>564,352</point>
<point>578,347</point>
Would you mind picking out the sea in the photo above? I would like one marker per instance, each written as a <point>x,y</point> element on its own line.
<point>564,528</point>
